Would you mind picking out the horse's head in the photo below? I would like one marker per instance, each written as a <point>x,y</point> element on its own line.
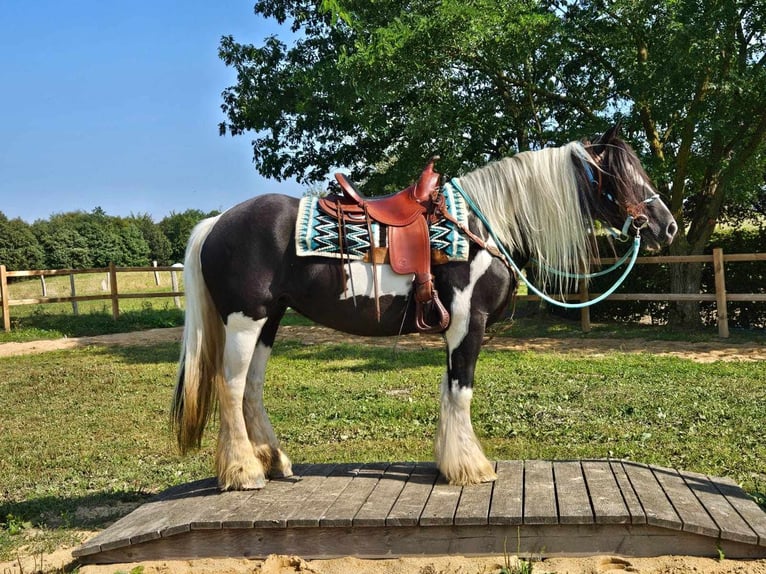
<point>619,190</point>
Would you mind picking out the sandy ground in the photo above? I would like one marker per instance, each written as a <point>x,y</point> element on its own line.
<point>703,352</point>
<point>62,560</point>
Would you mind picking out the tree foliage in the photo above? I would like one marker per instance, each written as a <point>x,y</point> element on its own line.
<point>79,239</point>
<point>377,87</point>
<point>177,227</point>
<point>18,244</point>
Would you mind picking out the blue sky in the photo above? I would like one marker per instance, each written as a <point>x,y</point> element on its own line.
<point>116,104</point>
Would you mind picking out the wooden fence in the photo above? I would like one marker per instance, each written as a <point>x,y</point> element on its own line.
<point>114,293</point>
<point>717,259</point>
<point>720,296</point>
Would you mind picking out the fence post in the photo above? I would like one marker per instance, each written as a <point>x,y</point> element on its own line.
<point>6,299</point>
<point>75,307</point>
<point>113,286</point>
<point>156,274</point>
<point>174,288</point>
<point>720,293</point>
<point>585,311</point>
<point>43,286</point>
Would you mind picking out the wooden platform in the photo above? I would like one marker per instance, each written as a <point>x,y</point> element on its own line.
<point>380,510</point>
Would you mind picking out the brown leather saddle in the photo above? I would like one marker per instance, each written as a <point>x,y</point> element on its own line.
<point>407,216</point>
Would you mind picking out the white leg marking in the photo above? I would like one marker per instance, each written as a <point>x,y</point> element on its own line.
<point>359,281</point>
<point>459,455</point>
<point>237,466</point>
<point>259,429</point>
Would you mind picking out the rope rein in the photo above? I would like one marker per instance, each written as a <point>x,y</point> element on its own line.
<point>503,254</point>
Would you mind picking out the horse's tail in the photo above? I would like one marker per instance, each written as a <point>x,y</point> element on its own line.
<point>200,368</point>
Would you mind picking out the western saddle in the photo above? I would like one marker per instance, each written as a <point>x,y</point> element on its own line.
<point>407,216</point>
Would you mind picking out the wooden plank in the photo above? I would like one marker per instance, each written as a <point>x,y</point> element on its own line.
<point>508,496</point>
<point>473,508</point>
<point>441,505</point>
<point>381,500</point>
<point>148,521</point>
<point>313,509</point>
<point>745,506</point>
<point>270,505</point>
<point>551,540</point>
<point>539,493</point>
<point>409,506</point>
<point>572,497</point>
<point>345,508</point>
<point>636,511</point>
<point>732,525</point>
<point>693,515</point>
<point>658,509</point>
<point>605,495</point>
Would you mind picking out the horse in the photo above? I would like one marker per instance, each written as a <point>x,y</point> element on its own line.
<point>242,273</point>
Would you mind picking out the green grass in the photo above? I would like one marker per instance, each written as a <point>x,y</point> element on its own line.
<point>540,324</point>
<point>85,431</point>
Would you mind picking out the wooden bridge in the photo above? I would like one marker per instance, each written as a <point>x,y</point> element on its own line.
<point>378,510</point>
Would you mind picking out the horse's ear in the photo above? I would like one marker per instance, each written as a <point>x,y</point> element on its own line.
<point>609,136</point>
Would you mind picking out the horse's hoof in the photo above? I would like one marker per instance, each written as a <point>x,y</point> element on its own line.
<point>241,479</point>
<point>282,467</point>
<point>256,483</point>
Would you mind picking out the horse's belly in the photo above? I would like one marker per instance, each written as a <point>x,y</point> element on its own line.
<point>352,306</point>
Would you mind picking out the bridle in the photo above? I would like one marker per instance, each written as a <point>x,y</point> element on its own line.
<point>636,217</point>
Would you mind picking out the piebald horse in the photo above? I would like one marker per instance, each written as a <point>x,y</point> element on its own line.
<point>242,272</point>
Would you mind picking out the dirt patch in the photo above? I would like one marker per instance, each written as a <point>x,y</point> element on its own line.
<point>701,352</point>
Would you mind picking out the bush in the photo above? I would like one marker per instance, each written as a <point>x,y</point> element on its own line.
<point>654,278</point>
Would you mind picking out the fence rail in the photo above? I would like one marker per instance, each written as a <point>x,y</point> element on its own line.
<point>721,297</point>
<point>114,294</point>
<point>717,259</point>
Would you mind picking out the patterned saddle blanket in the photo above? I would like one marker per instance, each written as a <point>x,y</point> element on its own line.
<point>317,234</point>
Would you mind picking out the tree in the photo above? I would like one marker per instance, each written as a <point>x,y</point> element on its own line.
<point>388,85</point>
<point>19,247</point>
<point>378,87</point>
<point>64,246</point>
<point>159,245</point>
<point>79,240</point>
<point>177,227</point>
<point>691,79</point>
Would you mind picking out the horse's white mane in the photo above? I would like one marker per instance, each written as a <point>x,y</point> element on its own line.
<point>531,202</point>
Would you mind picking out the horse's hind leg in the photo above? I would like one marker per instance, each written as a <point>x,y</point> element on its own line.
<point>259,430</point>
<point>237,466</point>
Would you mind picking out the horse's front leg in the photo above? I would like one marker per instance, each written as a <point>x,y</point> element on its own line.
<point>459,455</point>
<point>259,429</point>
<point>236,464</point>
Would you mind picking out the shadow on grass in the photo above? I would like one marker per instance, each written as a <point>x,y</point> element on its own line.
<point>365,358</point>
<point>53,325</point>
<point>88,512</point>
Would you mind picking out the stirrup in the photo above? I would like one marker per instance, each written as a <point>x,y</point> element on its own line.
<point>426,307</point>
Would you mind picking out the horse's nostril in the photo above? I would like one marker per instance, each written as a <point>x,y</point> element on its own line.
<point>671,230</point>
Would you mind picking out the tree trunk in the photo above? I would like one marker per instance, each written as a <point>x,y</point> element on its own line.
<point>685,278</point>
